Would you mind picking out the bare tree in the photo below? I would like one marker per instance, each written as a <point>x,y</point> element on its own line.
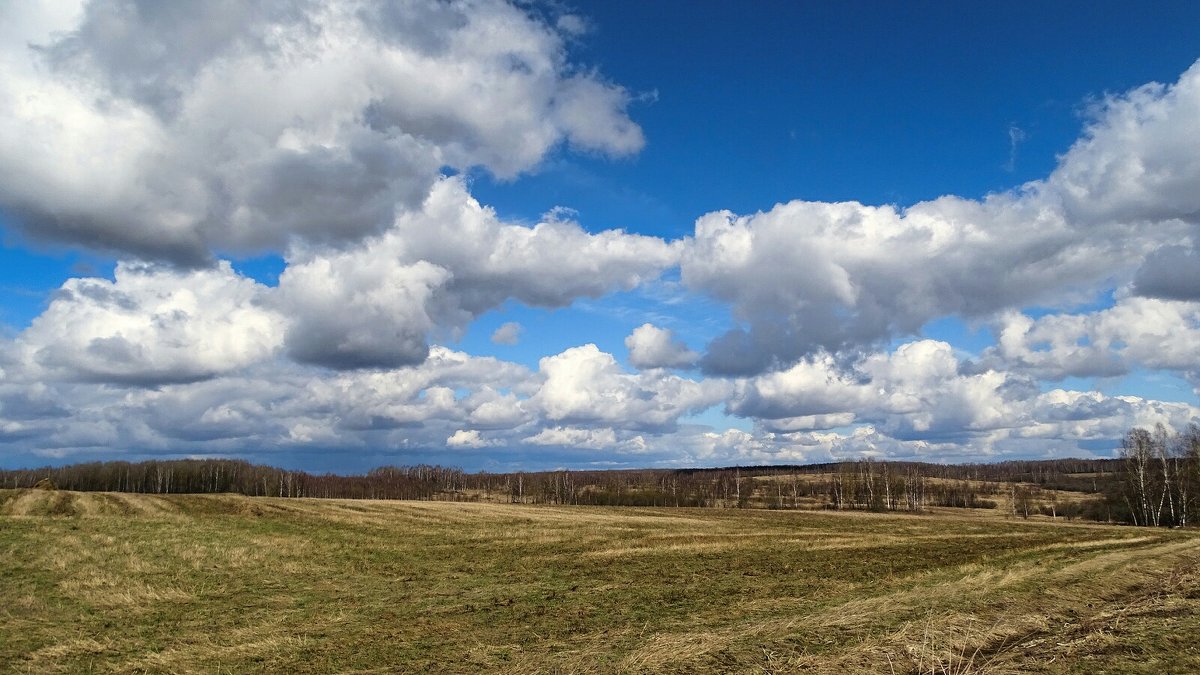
<point>1137,449</point>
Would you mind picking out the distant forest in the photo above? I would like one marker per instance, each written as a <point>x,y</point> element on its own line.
<point>1154,482</point>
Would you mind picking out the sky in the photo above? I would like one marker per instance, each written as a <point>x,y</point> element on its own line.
<point>337,235</point>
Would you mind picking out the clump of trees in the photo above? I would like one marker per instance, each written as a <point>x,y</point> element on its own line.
<point>241,477</point>
<point>887,486</point>
<point>1160,477</point>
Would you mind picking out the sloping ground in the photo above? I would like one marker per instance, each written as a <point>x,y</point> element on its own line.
<point>82,504</point>
<point>221,583</point>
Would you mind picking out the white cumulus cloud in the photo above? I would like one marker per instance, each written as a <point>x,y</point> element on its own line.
<point>584,385</point>
<point>169,129</point>
<point>468,439</point>
<point>653,347</point>
<point>807,277</point>
<point>152,325</point>
<point>438,268</point>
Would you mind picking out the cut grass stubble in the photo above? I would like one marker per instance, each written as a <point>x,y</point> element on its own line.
<point>114,583</point>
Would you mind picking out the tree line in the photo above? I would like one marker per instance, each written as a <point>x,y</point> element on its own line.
<point>1155,481</point>
<point>861,485</point>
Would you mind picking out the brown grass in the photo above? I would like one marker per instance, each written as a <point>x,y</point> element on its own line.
<point>222,583</point>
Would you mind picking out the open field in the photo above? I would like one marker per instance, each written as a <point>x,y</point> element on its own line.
<point>104,582</point>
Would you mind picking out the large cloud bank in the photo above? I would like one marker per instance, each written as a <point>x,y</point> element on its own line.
<point>338,134</point>
<point>166,130</point>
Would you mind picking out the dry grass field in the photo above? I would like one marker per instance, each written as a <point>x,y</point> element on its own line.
<point>98,582</point>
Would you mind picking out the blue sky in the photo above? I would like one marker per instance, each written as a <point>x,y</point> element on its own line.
<point>564,169</point>
<point>845,101</point>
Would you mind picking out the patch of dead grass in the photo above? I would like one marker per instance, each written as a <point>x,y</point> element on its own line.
<point>182,583</point>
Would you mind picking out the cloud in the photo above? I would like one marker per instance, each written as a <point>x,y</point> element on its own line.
<point>809,422</point>
<point>920,402</point>
<point>572,24</point>
<point>508,333</point>
<point>592,439</point>
<point>491,409</point>
<point>1134,333</point>
<point>1171,273</point>
<point>917,391</point>
<point>468,439</point>
<point>355,311</point>
<point>450,401</point>
<point>807,277</point>
<point>437,269</point>
<point>812,387</point>
<point>185,132</point>
<point>417,396</point>
<point>547,265</point>
<point>279,407</point>
<point>810,276</point>
<point>1016,136</point>
<point>168,131</point>
<point>917,402</point>
<point>1136,161</point>
<point>153,325</point>
<point>584,385</point>
<point>653,347</point>
<point>373,304</point>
